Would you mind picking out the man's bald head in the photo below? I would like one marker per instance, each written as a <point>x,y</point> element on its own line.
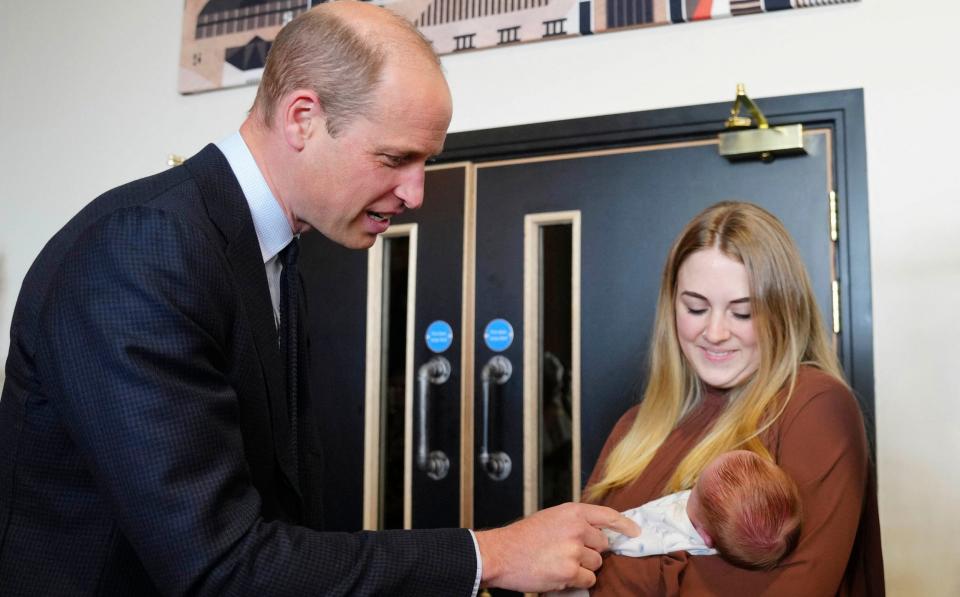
<point>339,51</point>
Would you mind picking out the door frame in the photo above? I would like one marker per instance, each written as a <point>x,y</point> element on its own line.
<point>841,111</point>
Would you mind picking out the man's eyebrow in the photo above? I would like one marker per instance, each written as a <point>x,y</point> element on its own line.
<point>407,153</point>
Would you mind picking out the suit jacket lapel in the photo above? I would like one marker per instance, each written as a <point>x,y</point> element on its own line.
<point>229,211</point>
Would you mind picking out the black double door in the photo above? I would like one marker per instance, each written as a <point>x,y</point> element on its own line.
<point>546,265</point>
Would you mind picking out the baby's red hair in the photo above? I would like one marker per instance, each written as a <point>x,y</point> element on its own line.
<point>751,508</point>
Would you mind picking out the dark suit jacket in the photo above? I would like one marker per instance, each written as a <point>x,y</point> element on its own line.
<point>144,438</point>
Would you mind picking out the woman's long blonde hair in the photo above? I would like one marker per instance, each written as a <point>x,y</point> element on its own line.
<point>789,329</point>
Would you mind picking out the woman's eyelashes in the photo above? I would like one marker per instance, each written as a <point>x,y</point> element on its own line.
<point>702,310</point>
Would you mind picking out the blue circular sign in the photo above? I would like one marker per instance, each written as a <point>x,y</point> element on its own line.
<point>439,336</point>
<point>498,335</point>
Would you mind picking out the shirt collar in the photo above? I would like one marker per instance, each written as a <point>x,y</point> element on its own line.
<point>269,221</point>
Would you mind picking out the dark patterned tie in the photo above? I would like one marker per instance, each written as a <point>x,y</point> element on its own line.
<point>289,307</point>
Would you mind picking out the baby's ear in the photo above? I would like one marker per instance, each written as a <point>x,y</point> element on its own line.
<point>707,539</point>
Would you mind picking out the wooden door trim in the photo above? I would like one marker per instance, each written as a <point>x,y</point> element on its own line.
<point>372,379</point>
<point>467,352</point>
<point>531,352</point>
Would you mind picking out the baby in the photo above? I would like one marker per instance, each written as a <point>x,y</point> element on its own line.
<point>742,507</point>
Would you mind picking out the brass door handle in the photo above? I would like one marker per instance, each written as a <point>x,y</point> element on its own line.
<point>435,463</point>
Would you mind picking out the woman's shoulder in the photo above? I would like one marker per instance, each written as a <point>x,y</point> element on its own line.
<point>623,423</point>
<point>813,383</point>
<point>619,430</point>
<point>820,399</point>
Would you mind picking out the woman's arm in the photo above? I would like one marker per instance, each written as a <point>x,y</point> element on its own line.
<point>821,444</point>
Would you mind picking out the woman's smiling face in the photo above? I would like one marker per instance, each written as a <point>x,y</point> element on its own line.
<point>714,319</point>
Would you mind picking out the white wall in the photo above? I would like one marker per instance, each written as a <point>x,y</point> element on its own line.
<point>88,100</point>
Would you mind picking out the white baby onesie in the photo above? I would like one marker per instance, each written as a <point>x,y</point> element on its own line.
<point>664,528</point>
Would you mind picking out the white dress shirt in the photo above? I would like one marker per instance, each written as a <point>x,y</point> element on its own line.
<point>269,221</point>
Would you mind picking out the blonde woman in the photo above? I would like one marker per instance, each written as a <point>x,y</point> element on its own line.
<point>740,360</point>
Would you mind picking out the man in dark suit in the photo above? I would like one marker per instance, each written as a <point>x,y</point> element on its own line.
<point>153,424</point>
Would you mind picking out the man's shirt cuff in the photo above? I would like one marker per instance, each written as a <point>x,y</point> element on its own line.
<point>476,582</point>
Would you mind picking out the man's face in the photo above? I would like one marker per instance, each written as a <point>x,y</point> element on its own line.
<point>350,186</point>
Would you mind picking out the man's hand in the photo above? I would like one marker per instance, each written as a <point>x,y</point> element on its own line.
<point>551,550</point>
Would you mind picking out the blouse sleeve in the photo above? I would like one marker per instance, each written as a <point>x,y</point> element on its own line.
<point>822,446</point>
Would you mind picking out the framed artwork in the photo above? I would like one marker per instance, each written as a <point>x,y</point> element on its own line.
<point>225,42</point>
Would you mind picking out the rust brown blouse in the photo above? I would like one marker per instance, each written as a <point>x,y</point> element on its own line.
<point>820,442</point>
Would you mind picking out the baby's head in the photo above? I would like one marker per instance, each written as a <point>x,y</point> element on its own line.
<point>746,508</point>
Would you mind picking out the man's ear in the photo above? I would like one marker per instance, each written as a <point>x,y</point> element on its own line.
<point>302,117</point>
